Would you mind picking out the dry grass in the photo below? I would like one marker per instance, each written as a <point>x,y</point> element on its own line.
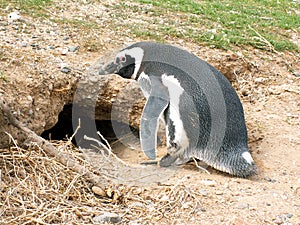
<point>35,189</point>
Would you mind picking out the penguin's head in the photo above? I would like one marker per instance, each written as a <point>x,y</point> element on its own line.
<point>126,63</point>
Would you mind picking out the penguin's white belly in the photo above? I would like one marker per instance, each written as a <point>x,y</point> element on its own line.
<point>175,91</point>
<point>145,84</point>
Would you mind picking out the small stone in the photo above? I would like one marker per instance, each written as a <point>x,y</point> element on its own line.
<point>98,191</point>
<point>50,87</point>
<point>23,44</point>
<point>210,183</point>
<point>270,179</point>
<point>13,16</point>
<point>64,51</point>
<point>137,191</point>
<point>51,47</point>
<point>260,80</point>
<point>93,79</point>
<point>296,74</point>
<point>29,98</point>
<point>65,38</point>
<point>35,46</point>
<point>219,192</point>
<point>289,215</point>
<point>243,206</point>
<point>203,192</point>
<point>65,70</point>
<point>73,49</point>
<point>107,218</point>
<point>164,198</point>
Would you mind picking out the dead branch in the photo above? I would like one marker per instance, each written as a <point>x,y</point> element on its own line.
<point>64,158</point>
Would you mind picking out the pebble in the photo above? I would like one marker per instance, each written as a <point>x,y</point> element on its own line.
<point>65,70</point>
<point>98,191</point>
<point>243,205</point>
<point>219,192</point>
<point>64,51</point>
<point>13,16</point>
<point>164,198</point>
<point>35,46</point>
<point>203,192</point>
<point>73,48</point>
<point>297,74</point>
<point>270,179</point>
<point>23,44</point>
<point>93,79</point>
<point>107,218</point>
<point>210,183</point>
<point>51,47</point>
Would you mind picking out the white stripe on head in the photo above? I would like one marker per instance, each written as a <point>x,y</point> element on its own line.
<point>137,53</point>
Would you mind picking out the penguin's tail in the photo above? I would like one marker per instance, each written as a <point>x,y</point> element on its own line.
<point>236,162</point>
<point>241,164</point>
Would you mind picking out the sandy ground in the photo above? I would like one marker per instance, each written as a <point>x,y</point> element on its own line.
<point>269,87</point>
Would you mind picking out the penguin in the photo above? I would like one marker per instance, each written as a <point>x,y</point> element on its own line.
<point>203,114</point>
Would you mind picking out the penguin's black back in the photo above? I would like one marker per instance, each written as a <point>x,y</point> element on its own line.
<point>210,108</point>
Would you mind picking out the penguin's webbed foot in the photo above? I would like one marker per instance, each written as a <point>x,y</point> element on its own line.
<point>167,160</point>
<point>151,162</point>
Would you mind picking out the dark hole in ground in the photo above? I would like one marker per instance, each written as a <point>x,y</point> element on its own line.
<point>112,131</point>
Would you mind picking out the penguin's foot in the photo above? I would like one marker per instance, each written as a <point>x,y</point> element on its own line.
<point>152,162</point>
<point>167,160</point>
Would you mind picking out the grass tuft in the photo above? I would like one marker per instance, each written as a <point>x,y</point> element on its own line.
<point>230,21</point>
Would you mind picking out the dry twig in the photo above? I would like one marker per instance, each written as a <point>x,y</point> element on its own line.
<point>64,158</point>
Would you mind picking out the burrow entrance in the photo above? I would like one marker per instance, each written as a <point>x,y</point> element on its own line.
<point>63,130</point>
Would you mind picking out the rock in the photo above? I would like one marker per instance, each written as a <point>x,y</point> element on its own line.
<point>23,44</point>
<point>219,192</point>
<point>210,183</point>
<point>13,16</point>
<point>296,74</point>
<point>203,192</point>
<point>64,51</point>
<point>98,191</point>
<point>164,198</point>
<point>73,48</point>
<point>107,218</point>
<point>65,70</point>
<point>35,46</point>
<point>93,79</point>
<point>243,205</point>
<point>270,179</point>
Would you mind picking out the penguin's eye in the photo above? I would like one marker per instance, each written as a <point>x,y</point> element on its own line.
<point>120,59</point>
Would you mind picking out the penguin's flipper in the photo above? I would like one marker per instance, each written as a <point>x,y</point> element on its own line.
<point>156,104</point>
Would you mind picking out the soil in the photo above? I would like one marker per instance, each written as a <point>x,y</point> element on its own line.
<point>34,52</point>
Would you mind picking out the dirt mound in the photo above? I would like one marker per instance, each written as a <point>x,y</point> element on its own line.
<point>44,65</point>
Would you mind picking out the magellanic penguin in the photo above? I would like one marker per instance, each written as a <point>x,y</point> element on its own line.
<point>203,114</point>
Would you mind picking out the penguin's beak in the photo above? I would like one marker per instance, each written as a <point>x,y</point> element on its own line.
<point>109,68</point>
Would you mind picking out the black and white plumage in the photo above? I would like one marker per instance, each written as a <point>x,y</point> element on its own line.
<point>203,115</point>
